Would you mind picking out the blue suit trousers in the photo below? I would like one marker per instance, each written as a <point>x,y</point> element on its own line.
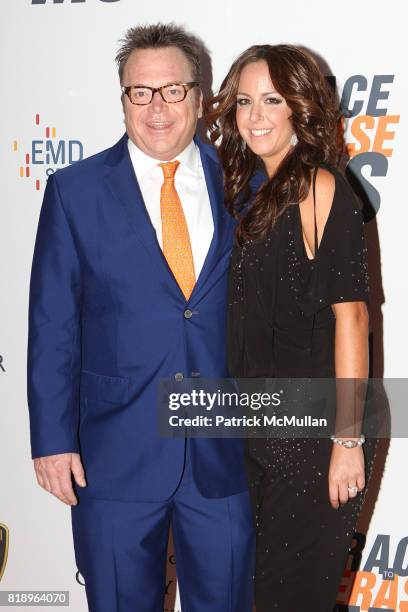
<point>121,550</point>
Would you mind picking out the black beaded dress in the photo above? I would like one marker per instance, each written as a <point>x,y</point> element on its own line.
<point>281,324</point>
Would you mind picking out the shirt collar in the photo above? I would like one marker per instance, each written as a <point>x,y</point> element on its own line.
<point>189,159</point>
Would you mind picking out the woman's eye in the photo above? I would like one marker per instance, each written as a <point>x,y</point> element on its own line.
<point>242,101</point>
<point>273,100</point>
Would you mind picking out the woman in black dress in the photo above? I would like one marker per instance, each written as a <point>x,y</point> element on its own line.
<point>297,308</point>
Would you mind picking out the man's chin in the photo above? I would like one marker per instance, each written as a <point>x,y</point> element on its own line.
<point>162,149</point>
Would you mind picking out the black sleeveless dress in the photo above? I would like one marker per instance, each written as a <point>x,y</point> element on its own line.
<point>281,324</point>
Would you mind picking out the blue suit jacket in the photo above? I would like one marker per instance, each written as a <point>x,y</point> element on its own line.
<point>106,323</point>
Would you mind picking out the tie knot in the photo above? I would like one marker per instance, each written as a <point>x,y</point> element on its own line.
<point>169,168</point>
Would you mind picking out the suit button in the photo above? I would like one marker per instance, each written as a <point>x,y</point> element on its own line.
<point>188,314</point>
<point>179,376</point>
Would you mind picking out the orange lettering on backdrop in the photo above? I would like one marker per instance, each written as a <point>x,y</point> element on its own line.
<point>359,134</point>
<point>387,594</point>
<point>382,134</point>
<point>364,123</point>
<point>362,588</point>
<point>404,604</point>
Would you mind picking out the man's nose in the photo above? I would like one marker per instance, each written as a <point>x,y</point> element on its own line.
<point>157,102</point>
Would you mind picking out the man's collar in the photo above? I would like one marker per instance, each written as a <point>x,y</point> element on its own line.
<point>189,158</point>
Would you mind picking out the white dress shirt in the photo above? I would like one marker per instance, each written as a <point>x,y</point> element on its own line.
<point>192,190</point>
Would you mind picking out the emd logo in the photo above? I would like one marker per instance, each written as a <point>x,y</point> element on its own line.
<point>62,1</point>
<point>45,153</point>
<point>4,546</point>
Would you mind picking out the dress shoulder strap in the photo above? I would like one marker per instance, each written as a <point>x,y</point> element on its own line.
<point>316,241</point>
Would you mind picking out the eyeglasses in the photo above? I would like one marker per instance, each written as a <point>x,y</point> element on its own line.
<point>170,93</point>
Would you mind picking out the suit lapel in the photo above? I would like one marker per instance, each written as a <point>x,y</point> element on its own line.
<point>222,221</point>
<point>122,183</point>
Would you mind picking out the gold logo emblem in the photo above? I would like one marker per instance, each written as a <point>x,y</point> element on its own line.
<point>4,545</point>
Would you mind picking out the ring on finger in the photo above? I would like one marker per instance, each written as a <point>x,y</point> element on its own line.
<point>353,489</point>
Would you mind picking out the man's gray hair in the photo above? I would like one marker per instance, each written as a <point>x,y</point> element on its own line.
<point>161,35</point>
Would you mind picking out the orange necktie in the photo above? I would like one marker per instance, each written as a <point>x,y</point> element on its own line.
<point>176,239</point>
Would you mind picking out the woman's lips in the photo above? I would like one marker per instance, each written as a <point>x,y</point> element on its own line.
<point>258,133</point>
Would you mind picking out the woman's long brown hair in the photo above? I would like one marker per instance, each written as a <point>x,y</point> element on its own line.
<point>315,117</point>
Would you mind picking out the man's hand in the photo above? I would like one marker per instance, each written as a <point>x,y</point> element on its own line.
<point>54,475</point>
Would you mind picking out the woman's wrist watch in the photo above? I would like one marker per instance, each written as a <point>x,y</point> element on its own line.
<point>348,443</point>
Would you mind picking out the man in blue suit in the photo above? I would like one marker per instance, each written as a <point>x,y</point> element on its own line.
<point>110,316</point>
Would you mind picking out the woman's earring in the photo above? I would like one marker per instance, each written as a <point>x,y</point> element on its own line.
<point>294,140</point>
<point>243,145</point>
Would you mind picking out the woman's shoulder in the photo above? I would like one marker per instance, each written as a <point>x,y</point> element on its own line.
<point>330,175</point>
<point>325,183</point>
<point>326,174</point>
<point>332,185</point>
<point>316,207</point>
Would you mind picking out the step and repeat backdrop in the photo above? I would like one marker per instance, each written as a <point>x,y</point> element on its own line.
<point>60,102</point>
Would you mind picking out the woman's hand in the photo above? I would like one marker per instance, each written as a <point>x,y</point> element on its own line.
<point>346,470</point>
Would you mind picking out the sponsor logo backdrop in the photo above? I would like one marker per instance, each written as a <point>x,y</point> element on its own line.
<point>61,102</point>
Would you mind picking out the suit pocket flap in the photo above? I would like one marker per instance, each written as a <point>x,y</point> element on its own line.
<point>112,389</point>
